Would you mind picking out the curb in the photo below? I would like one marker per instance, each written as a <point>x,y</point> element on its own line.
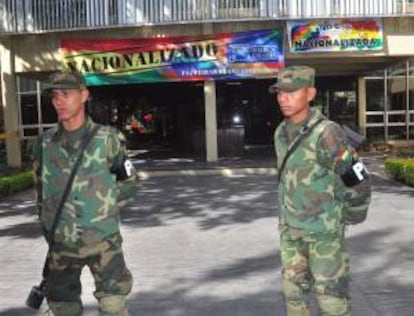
<point>226,172</point>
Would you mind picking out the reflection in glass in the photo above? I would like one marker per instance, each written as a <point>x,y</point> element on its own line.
<point>397,96</point>
<point>30,131</point>
<point>398,83</point>
<point>29,109</point>
<point>48,112</point>
<point>396,118</point>
<point>27,85</point>
<point>377,118</point>
<point>397,132</point>
<point>375,133</point>
<point>375,94</point>
<point>411,93</point>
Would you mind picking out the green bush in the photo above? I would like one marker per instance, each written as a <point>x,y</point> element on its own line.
<point>401,169</point>
<point>16,182</point>
<point>409,176</point>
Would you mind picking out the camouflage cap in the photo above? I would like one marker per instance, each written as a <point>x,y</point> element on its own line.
<point>65,80</point>
<point>293,78</point>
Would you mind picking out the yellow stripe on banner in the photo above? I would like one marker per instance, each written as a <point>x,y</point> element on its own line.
<point>9,135</point>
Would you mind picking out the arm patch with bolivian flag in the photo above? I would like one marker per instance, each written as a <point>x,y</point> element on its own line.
<point>356,172</point>
<point>337,153</point>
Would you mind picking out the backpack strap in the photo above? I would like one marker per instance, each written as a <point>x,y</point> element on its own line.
<point>303,133</point>
<point>87,140</point>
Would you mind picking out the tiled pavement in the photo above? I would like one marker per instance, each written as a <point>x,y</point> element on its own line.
<point>201,239</point>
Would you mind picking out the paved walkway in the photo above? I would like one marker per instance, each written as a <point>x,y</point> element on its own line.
<point>203,241</point>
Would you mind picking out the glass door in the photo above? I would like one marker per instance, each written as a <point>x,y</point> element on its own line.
<point>337,99</point>
<point>343,108</point>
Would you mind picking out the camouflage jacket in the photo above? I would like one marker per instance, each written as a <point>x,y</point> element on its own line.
<point>90,213</point>
<point>311,193</point>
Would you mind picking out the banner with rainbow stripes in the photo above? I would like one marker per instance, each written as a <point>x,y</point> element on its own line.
<point>335,35</point>
<point>243,55</point>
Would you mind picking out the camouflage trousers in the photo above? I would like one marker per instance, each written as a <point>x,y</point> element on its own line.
<point>319,265</point>
<point>113,281</point>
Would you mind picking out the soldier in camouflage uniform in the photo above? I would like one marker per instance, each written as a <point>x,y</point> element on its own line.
<point>311,199</point>
<point>87,233</point>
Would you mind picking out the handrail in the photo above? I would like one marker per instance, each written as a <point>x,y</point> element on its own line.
<point>33,16</point>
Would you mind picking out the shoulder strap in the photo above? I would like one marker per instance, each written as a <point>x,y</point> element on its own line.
<point>50,236</point>
<point>304,132</point>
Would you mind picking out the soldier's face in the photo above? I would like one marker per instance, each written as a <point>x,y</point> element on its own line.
<point>295,105</point>
<point>70,103</point>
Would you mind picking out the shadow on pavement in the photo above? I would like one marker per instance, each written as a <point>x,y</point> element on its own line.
<point>381,185</point>
<point>211,201</point>
<point>267,303</point>
<point>27,230</point>
<point>381,249</point>
<point>382,272</point>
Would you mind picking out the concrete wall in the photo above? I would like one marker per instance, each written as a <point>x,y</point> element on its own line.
<point>36,55</point>
<point>40,53</point>
<point>399,36</point>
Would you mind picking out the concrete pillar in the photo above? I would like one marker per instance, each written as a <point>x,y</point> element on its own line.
<point>362,106</point>
<point>10,105</point>
<point>210,120</point>
<point>210,110</point>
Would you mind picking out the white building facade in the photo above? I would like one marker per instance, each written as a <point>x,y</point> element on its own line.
<point>362,51</point>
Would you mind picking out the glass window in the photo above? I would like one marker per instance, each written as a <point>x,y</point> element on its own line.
<point>342,107</point>
<point>48,112</point>
<point>399,98</point>
<point>375,133</point>
<point>396,118</point>
<point>377,118</point>
<point>411,93</point>
<point>399,69</point>
<point>411,67</point>
<point>397,88</point>
<point>238,4</point>
<point>29,109</point>
<point>247,105</point>
<point>375,94</point>
<point>31,131</point>
<point>397,132</point>
<point>26,85</point>
<point>34,116</point>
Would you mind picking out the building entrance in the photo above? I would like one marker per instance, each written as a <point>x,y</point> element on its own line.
<point>247,116</point>
<point>158,120</point>
<point>165,120</point>
<point>168,119</point>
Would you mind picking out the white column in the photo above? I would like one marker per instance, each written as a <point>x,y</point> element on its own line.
<point>210,120</point>
<point>210,111</point>
<point>9,103</point>
<point>362,105</point>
